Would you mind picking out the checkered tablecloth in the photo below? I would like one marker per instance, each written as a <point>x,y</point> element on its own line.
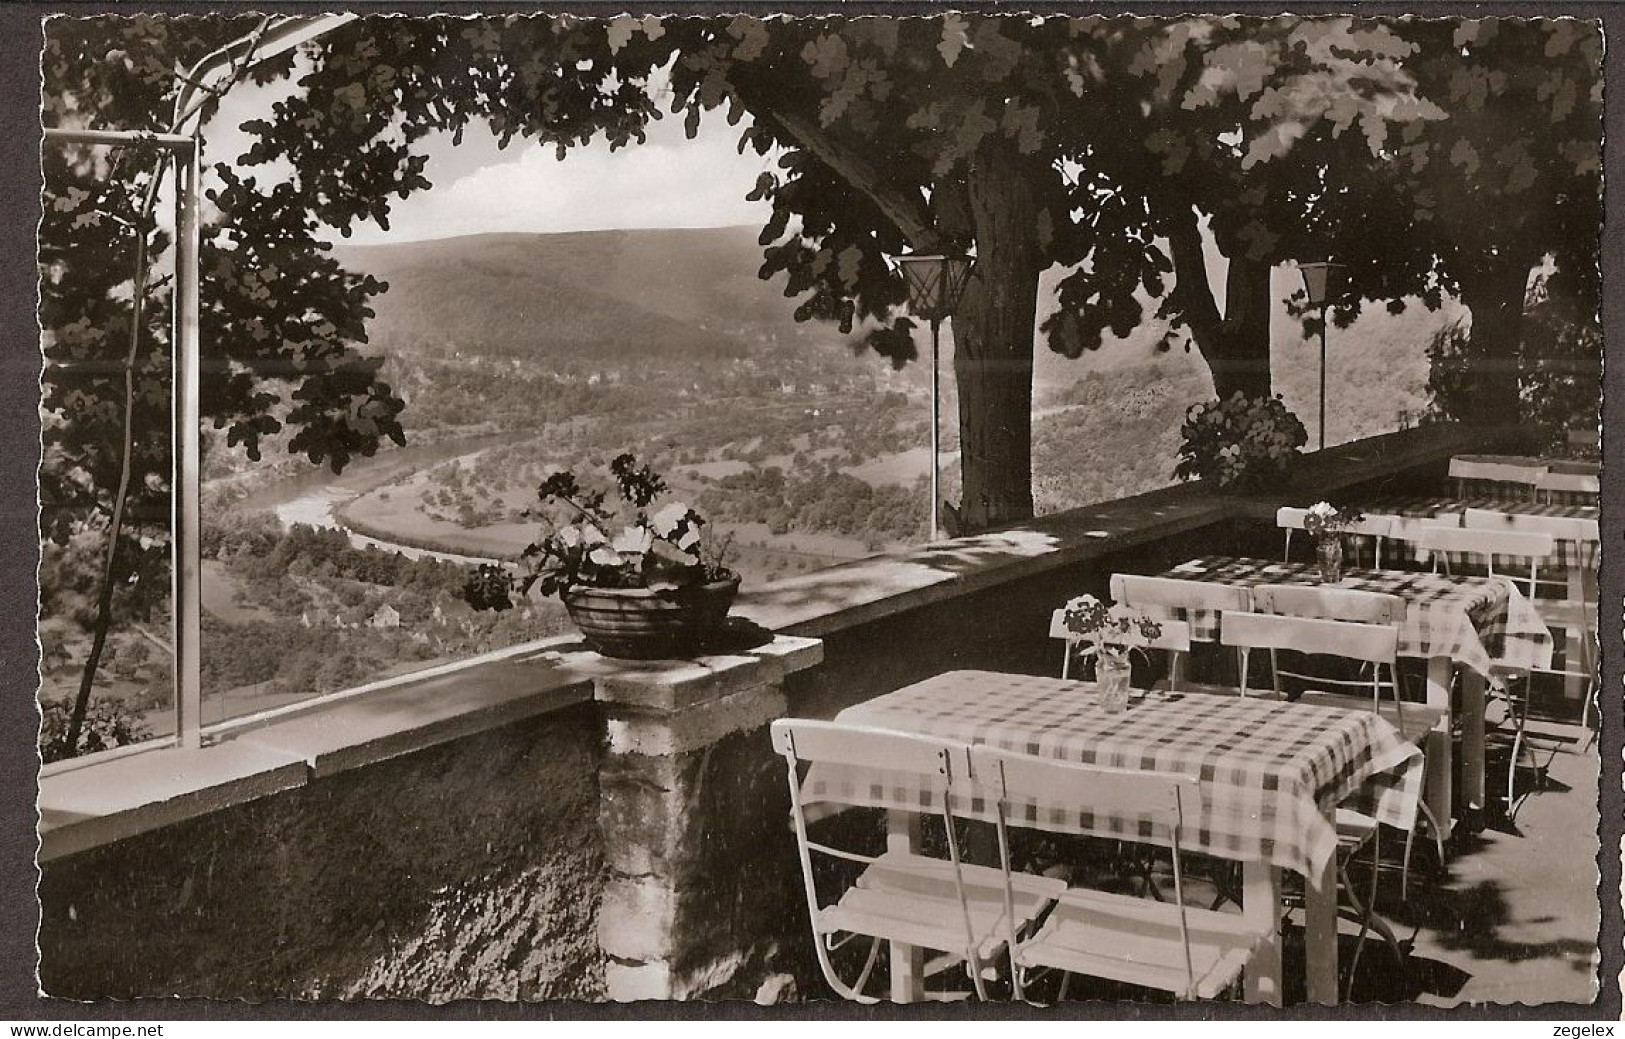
<point>1270,771</point>
<point>1472,620</point>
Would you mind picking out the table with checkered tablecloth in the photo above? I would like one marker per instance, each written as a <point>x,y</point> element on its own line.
<point>1424,507</point>
<point>1522,472</point>
<point>1270,771</point>
<point>1470,620</point>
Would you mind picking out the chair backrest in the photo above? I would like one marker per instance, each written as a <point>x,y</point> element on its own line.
<point>1469,541</point>
<point>1290,517</point>
<point>1466,467</point>
<point>1139,592</point>
<point>1368,643</point>
<point>1568,483</point>
<point>1013,776</point>
<point>806,741</point>
<point>1176,635</point>
<point>1410,528</point>
<point>1561,528</point>
<point>1346,604</point>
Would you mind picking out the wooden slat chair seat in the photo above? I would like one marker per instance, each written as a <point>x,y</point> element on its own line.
<point>1102,935</point>
<point>1376,527</point>
<point>1169,946</point>
<point>946,905</point>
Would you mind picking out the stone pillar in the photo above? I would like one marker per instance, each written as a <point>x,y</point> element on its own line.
<point>704,897</point>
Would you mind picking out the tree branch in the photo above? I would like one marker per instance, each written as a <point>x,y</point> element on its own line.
<point>1191,288</point>
<point>908,214</point>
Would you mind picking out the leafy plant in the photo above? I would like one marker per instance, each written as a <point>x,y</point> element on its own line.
<point>1240,442</point>
<point>657,548</point>
<point>107,723</point>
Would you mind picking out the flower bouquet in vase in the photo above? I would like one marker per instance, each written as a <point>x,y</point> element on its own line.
<point>1110,634</point>
<point>1326,524</point>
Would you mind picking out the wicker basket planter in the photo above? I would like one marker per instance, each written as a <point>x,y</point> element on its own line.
<point>644,624</point>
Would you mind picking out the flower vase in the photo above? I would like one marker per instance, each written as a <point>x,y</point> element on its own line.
<point>1329,554</point>
<point>1111,679</point>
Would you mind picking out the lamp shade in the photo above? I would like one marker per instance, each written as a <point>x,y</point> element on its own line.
<point>1321,279</point>
<point>935,283</point>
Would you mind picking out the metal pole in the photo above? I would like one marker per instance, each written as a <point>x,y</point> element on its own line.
<point>172,141</point>
<point>185,515</point>
<point>936,424</point>
<point>1323,377</point>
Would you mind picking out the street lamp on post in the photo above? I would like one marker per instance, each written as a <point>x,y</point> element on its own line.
<point>1321,279</point>
<point>936,282</point>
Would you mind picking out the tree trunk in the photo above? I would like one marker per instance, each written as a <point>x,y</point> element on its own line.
<point>1238,353</point>
<point>1494,293</point>
<point>1235,347</point>
<point>993,349</point>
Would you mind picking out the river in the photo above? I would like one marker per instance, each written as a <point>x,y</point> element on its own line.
<point>315,498</point>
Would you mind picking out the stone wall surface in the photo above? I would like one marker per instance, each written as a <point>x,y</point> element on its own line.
<point>468,870</point>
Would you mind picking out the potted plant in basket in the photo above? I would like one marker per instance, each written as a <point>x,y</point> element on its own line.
<point>1326,523</point>
<point>1240,443</point>
<point>1111,634</point>
<point>640,582</point>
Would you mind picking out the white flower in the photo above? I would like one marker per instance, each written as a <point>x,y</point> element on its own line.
<point>603,555</point>
<point>633,541</point>
<point>570,536</point>
<point>591,535</point>
<point>666,521</point>
<point>1323,511</point>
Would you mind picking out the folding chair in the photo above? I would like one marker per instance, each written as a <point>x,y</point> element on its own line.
<point>1377,528</point>
<point>946,905</point>
<point>1514,556</point>
<point>1353,606</point>
<point>1375,644</point>
<point>1175,640</point>
<point>1170,946</point>
<point>1570,604</point>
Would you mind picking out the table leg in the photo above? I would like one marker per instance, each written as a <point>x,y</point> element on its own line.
<point>1472,738</point>
<point>1261,904</point>
<point>1320,932</point>
<point>1439,782</point>
<point>1575,686</point>
<point>907,961</point>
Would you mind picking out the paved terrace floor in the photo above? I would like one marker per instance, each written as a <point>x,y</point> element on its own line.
<point>1513,917</point>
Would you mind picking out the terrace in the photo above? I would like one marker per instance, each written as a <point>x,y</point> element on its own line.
<point>546,823</point>
<point>542,821</point>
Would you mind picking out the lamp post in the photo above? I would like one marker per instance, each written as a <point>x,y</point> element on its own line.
<point>935,284</point>
<point>1318,279</point>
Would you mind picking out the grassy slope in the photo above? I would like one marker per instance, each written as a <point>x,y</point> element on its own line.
<point>646,295</point>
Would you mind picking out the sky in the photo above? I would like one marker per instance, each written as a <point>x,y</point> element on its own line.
<point>669,181</point>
